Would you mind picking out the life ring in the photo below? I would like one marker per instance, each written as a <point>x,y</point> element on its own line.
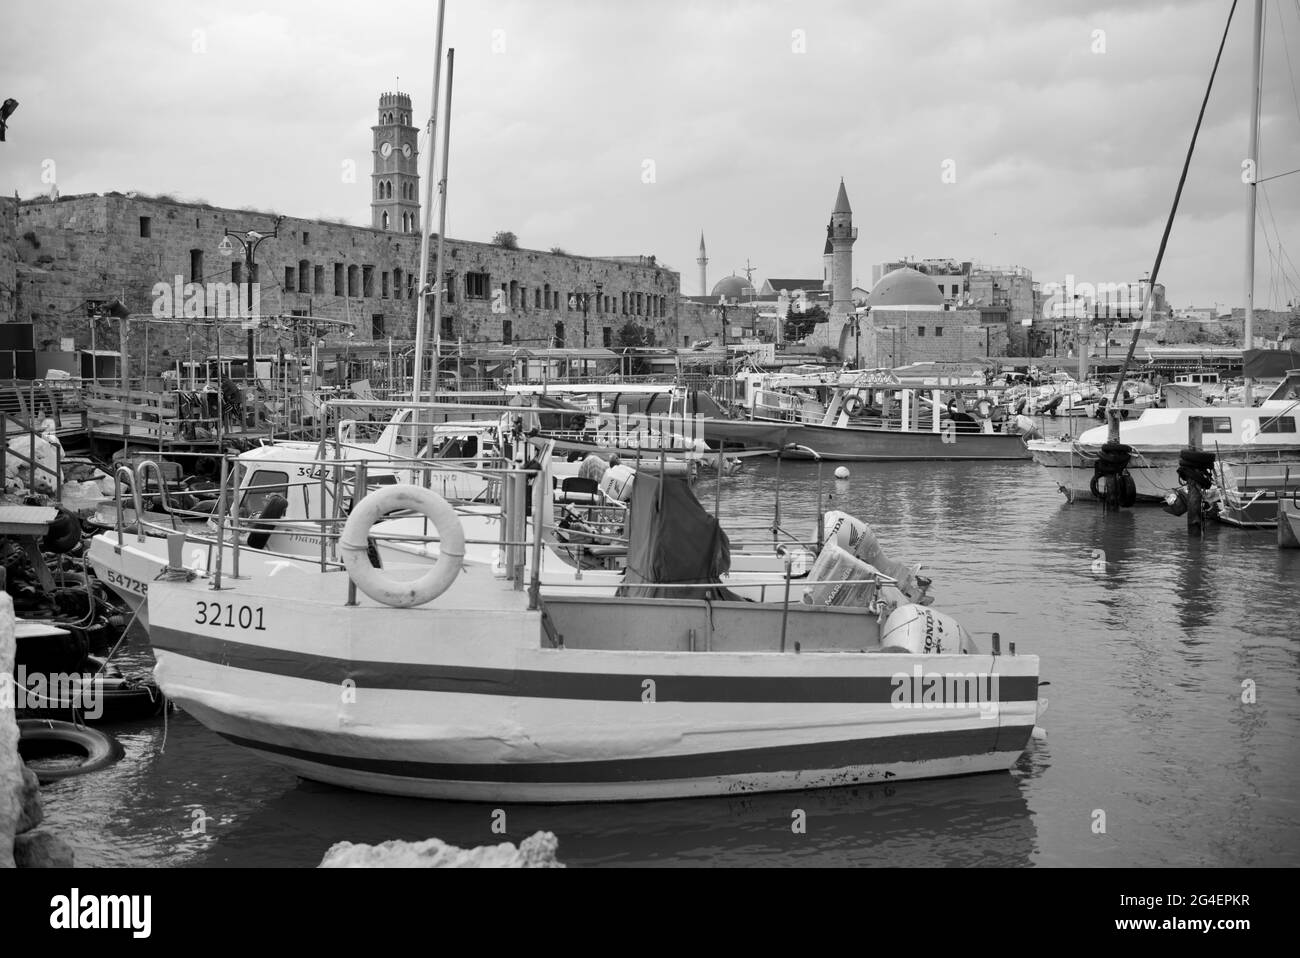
<point>355,538</point>
<point>37,736</point>
<point>853,405</point>
<point>64,534</point>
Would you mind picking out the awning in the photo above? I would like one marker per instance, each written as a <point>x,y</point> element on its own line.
<point>1269,363</point>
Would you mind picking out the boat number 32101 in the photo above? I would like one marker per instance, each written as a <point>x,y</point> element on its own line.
<point>231,616</point>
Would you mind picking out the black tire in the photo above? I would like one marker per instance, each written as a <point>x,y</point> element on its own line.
<point>1128,493</point>
<point>64,534</point>
<point>37,737</point>
<point>274,508</point>
<point>1196,459</point>
<point>1092,486</point>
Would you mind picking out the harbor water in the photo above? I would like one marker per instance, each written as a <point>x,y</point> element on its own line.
<point>1172,727</point>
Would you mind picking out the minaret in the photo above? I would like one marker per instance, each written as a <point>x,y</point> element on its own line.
<point>842,237</point>
<point>826,260</point>
<point>395,182</point>
<point>703,262</point>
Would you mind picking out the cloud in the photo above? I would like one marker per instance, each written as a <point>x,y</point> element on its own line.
<point>1067,155</point>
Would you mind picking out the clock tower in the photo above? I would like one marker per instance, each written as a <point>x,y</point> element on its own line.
<point>395,182</point>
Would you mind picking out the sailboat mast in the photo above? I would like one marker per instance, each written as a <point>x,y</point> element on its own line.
<point>417,370</point>
<point>1252,155</point>
<point>442,227</point>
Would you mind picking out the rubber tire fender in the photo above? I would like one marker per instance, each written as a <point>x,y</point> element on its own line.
<point>102,750</point>
<point>274,508</point>
<point>64,534</point>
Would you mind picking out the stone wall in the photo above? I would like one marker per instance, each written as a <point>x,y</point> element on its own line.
<point>91,249</point>
<point>8,259</point>
<point>949,336</point>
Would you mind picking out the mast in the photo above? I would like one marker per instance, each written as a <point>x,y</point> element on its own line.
<point>417,371</point>
<point>1252,155</point>
<point>442,227</point>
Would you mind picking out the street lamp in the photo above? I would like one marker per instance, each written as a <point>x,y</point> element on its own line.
<point>722,309</point>
<point>250,241</point>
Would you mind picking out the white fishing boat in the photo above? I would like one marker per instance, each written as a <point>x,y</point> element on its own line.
<point>1243,436</point>
<point>447,682</point>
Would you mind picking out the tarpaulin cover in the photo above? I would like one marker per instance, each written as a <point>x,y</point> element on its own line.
<point>671,539</point>
<point>1268,363</point>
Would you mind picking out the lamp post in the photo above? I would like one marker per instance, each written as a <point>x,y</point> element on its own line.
<point>722,310</point>
<point>250,241</point>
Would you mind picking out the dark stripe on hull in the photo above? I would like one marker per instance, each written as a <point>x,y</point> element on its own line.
<point>895,749</point>
<point>601,687</point>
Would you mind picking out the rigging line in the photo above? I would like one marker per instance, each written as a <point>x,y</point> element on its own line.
<point>1268,206</point>
<point>1291,73</point>
<point>1276,176</point>
<point>1169,224</point>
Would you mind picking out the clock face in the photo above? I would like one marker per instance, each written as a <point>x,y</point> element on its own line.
<point>385,150</point>
<point>406,150</point>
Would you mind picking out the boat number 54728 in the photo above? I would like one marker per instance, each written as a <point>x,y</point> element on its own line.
<point>230,616</point>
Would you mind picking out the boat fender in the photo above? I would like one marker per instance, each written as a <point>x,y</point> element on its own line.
<point>1175,502</point>
<point>274,508</point>
<point>37,737</point>
<point>984,409</point>
<point>1127,490</point>
<point>403,594</point>
<point>64,534</point>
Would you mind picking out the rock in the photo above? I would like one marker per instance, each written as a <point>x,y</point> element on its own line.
<point>11,766</point>
<point>42,849</point>
<point>536,851</point>
<point>29,800</point>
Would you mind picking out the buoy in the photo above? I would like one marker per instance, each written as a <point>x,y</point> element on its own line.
<point>1039,734</point>
<point>842,472</point>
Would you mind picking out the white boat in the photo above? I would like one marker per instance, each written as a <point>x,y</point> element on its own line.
<point>1243,436</point>
<point>464,686</point>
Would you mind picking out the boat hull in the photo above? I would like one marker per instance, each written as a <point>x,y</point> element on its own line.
<point>864,444</point>
<point>473,704</point>
<point>1154,472</point>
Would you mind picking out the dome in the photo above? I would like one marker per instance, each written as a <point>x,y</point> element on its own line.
<point>905,287</point>
<point>733,287</point>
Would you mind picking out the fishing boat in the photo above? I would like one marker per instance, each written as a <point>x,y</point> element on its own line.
<point>447,682</point>
<point>1244,437</point>
<point>1249,496</point>
<point>878,415</point>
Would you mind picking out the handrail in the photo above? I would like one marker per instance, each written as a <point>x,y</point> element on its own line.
<point>141,471</point>
<point>136,501</point>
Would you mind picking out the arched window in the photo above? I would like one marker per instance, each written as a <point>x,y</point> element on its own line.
<point>384,220</point>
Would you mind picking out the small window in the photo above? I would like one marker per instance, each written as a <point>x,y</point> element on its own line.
<point>377,326</point>
<point>559,335</point>
<point>146,227</point>
<point>236,271</point>
<point>264,484</point>
<point>306,237</point>
<point>367,281</point>
<point>338,279</point>
<point>1216,424</point>
<point>383,285</point>
<point>318,279</point>
<point>607,337</point>
<point>476,285</point>
<point>1277,424</point>
<point>938,330</point>
<point>507,332</point>
<point>196,266</point>
<point>290,283</point>
<point>920,330</point>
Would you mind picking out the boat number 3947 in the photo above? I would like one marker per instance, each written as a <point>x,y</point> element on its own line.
<point>230,616</point>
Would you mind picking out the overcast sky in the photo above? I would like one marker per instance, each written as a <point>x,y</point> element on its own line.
<point>1065,158</point>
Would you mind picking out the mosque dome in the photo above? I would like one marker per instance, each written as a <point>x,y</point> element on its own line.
<point>905,287</point>
<point>733,287</point>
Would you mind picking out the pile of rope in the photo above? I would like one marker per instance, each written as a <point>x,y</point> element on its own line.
<point>1110,479</point>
